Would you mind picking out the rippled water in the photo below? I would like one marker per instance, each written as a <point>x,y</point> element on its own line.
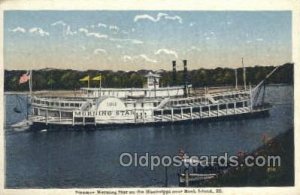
<point>66,159</point>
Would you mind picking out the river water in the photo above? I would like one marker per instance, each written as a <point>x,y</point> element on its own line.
<point>69,159</point>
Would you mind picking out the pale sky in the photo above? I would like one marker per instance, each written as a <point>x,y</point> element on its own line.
<point>133,40</point>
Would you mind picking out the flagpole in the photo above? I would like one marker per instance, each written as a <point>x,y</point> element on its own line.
<point>236,79</point>
<point>100,82</point>
<point>30,94</point>
<point>29,87</point>
<point>30,83</point>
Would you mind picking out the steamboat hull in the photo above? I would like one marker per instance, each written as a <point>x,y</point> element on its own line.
<point>260,113</point>
<point>95,108</point>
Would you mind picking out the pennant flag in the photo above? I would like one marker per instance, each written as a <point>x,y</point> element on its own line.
<point>98,78</point>
<point>86,78</point>
<point>24,78</point>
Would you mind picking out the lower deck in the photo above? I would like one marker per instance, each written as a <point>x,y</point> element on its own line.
<point>155,116</point>
<point>37,126</point>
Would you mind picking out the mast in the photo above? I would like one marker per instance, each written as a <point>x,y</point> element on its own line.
<point>268,75</point>
<point>251,97</point>
<point>244,73</point>
<point>236,78</point>
<point>51,85</point>
<point>154,87</point>
<point>256,90</point>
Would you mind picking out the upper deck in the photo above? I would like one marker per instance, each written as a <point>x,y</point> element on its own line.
<point>81,100</point>
<point>176,91</point>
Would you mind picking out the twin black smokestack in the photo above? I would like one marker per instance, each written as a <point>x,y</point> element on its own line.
<point>185,76</point>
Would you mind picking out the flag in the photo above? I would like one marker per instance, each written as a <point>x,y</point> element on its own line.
<point>86,78</point>
<point>98,78</point>
<point>24,78</point>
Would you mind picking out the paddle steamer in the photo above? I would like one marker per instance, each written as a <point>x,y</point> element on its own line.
<point>149,105</point>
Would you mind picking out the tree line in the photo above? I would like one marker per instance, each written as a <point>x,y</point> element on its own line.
<point>59,79</point>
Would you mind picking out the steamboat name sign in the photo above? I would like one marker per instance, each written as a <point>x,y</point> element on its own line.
<point>104,113</point>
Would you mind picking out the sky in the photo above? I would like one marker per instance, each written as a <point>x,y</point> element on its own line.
<point>134,40</point>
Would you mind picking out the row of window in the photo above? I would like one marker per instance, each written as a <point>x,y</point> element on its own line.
<point>57,104</point>
<point>52,113</point>
<point>231,96</point>
<point>199,100</point>
<point>141,104</point>
<point>204,109</point>
<point>109,93</point>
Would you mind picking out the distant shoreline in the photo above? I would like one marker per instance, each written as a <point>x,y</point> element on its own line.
<point>68,90</point>
<point>69,80</point>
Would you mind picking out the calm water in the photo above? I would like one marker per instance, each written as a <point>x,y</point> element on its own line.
<point>66,159</point>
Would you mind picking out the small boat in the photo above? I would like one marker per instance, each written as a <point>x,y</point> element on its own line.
<point>195,177</point>
<point>22,124</point>
<point>195,172</point>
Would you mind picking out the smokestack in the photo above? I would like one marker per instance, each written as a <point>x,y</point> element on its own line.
<point>185,78</point>
<point>174,72</point>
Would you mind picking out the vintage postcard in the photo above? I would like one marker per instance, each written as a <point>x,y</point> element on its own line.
<point>154,97</point>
